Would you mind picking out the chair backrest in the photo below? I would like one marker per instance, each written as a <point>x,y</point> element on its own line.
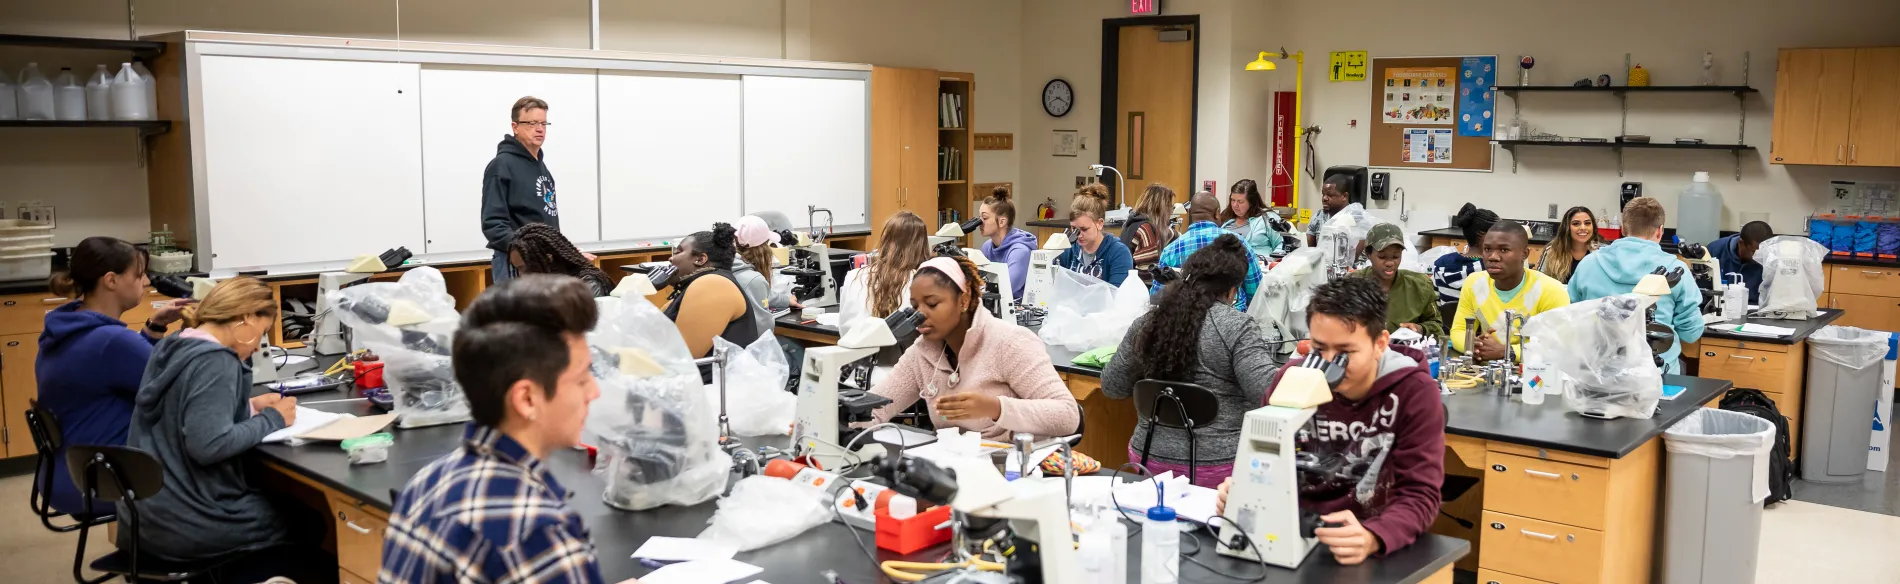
<point>45,429</point>
<point>1165,403</point>
<point>1446,312</point>
<point>120,473</point>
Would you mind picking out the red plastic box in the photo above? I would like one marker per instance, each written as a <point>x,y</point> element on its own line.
<point>904,536</point>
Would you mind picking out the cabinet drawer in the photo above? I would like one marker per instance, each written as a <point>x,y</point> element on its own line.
<point>1546,454</point>
<point>1496,577</point>
<point>1571,494</point>
<point>345,577</point>
<point>359,538</point>
<point>1751,368</point>
<point>1541,549</point>
<point>1864,281</point>
<point>26,313</point>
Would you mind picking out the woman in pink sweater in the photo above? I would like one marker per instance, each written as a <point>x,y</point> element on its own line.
<point>976,372</point>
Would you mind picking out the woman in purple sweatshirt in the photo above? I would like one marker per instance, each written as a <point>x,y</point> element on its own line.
<point>89,362</point>
<point>1380,442</point>
<point>1003,242</point>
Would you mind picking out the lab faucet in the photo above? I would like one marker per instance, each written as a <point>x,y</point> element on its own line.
<point>811,222</point>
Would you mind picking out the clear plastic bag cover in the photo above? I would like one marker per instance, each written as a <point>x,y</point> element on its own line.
<point>1086,312</point>
<point>1792,278</point>
<point>1429,257</point>
<point>1279,305</point>
<point>658,436</point>
<point>417,365</point>
<point>1723,434</point>
<point>763,510</point>
<point>1849,347</point>
<point>1600,345</point>
<point>756,401</point>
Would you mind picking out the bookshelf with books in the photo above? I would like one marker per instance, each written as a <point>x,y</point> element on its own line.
<point>955,138</point>
<point>920,145</point>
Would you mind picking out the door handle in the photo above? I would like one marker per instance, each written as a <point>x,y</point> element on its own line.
<point>1853,152</point>
<point>1542,536</point>
<point>365,530</point>
<point>1837,152</point>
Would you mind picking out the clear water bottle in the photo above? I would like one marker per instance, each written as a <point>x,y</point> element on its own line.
<point>128,95</point>
<point>35,94</point>
<point>1699,211</point>
<point>1160,543</point>
<point>99,95</point>
<point>69,97</point>
<point>1104,553</point>
<point>9,103</point>
<point>1734,298</point>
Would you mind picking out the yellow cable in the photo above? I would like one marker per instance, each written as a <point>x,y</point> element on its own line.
<point>897,569</point>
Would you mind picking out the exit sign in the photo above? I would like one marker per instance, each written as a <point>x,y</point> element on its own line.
<point>1144,7</point>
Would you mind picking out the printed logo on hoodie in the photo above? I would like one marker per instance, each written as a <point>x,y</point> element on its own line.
<point>544,188</point>
<point>1341,457</point>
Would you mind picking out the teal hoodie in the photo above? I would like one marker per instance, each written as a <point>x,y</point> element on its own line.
<point>1616,270</point>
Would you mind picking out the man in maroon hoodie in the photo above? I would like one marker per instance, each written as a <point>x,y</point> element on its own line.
<point>1379,445</point>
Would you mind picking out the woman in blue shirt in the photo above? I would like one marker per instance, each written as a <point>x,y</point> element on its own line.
<point>89,363</point>
<point>1094,251</point>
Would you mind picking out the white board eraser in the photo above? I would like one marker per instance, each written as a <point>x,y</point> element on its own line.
<point>367,264</point>
<point>1301,388</point>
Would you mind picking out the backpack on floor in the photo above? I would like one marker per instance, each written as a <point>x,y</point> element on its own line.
<point>1780,470</point>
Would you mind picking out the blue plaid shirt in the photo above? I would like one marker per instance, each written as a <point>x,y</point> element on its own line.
<point>1199,235</point>
<point>489,512</point>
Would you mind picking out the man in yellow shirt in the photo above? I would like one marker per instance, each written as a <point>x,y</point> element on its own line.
<point>1504,285</point>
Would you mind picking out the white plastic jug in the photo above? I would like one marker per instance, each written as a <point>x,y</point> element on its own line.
<point>1699,211</point>
<point>99,95</point>
<point>35,94</point>
<point>69,97</point>
<point>9,103</point>
<point>128,95</point>
<point>151,88</point>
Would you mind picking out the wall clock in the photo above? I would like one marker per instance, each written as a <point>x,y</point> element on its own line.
<point>1058,98</point>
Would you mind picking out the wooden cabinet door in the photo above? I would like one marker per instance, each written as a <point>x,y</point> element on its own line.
<point>1868,312</point>
<point>1874,133</point>
<point>17,386</point>
<point>919,128</point>
<point>1813,105</point>
<point>887,145</point>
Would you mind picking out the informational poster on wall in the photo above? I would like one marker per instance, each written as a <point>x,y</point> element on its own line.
<point>1475,99</point>
<point>1427,145</point>
<point>1420,95</point>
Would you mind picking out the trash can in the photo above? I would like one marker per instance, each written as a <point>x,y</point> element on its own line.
<point>1718,477</point>
<point>1838,413</point>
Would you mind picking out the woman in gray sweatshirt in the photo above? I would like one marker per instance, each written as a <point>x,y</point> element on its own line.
<point>191,413</point>
<point>1194,335</point>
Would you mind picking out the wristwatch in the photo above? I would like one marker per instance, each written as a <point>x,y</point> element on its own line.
<point>152,326</point>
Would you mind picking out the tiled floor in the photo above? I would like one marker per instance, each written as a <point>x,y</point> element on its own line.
<point>1876,492</point>
<point>28,552</point>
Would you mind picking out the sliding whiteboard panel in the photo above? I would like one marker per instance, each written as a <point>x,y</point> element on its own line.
<point>465,115</point>
<point>671,145</point>
<point>805,144</point>
<point>309,161</point>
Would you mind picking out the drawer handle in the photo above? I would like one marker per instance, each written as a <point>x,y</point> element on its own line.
<point>53,300</point>
<point>365,530</point>
<point>1543,475</point>
<point>1542,536</point>
<point>1743,357</point>
<point>1870,272</point>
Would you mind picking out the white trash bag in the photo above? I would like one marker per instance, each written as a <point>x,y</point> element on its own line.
<point>1600,345</point>
<point>756,401</point>
<point>410,324</point>
<point>1849,347</point>
<point>763,510</point>
<point>657,431</point>
<point>1086,312</point>
<point>1791,277</point>
<point>1723,434</point>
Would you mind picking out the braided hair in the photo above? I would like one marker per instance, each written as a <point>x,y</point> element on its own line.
<point>1166,345</point>
<point>544,250</point>
<point>972,279</point>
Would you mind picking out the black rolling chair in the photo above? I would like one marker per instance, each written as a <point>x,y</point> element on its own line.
<point>124,476</point>
<point>46,441</point>
<point>1191,406</point>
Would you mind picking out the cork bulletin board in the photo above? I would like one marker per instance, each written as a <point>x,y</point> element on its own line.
<point>1415,113</point>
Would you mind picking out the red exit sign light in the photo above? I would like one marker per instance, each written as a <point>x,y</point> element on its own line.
<point>1144,7</point>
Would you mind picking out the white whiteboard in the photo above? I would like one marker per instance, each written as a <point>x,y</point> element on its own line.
<point>309,161</point>
<point>672,146</point>
<point>465,114</point>
<point>805,144</point>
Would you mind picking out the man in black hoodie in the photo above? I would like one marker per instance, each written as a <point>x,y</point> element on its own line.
<point>517,188</point>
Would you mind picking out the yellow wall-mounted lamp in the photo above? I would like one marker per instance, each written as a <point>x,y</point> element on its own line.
<point>1265,63</point>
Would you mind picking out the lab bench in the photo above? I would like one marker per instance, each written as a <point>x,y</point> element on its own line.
<point>359,499</point>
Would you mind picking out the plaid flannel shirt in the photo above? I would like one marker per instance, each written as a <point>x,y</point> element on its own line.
<point>489,512</point>
<point>1199,235</point>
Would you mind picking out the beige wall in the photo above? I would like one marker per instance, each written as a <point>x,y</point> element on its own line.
<point>1572,40</point>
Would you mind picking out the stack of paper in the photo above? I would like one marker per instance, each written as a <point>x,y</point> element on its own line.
<point>1190,502</point>
<point>307,419</point>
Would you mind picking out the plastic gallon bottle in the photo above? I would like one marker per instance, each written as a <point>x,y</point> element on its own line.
<point>151,88</point>
<point>9,103</point>
<point>1699,211</point>
<point>69,97</point>
<point>128,95</point>
<point>99,95</point>
<point>35,94</point>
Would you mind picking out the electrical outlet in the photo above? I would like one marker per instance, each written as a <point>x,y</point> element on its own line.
<point>1553,210</point>
<point>34,212</point>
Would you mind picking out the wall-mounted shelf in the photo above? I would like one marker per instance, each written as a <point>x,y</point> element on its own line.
<point>950,182</point>
<point>1735,89</point>
<point>1619,147</point>
<point>146,128</point>
<point>144,50</point>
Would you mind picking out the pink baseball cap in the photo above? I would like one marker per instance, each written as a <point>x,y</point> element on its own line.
<point>751,231</point>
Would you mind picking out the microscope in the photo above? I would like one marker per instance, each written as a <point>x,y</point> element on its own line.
<point>1340,248</point>
<point>330,336</point>
<point>1264,501</point>
<point>1041,277</point>
<point>826,405</point>
<point>997,294</point>
<point>1033,512</point>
